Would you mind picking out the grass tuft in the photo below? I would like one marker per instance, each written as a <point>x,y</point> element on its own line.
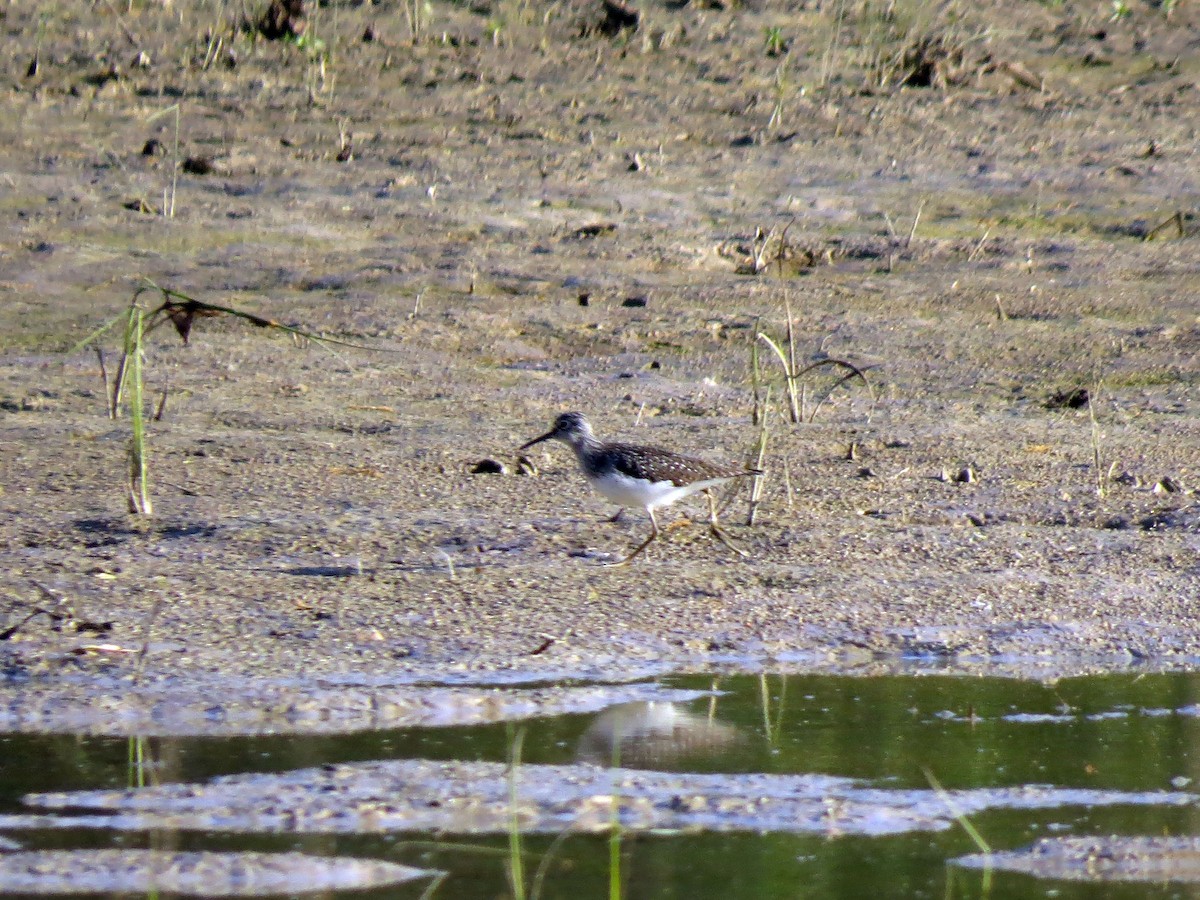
<point>181,311</point>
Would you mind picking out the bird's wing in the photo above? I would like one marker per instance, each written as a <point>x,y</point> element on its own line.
<point>656,465</point>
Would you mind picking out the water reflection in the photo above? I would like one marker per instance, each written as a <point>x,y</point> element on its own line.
<point>843,746</point>
<point>652,735</point>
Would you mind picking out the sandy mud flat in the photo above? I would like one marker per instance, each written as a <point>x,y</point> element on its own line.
<point>523,215</point>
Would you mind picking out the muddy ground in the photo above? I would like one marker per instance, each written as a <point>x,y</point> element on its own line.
<point>522,215</point>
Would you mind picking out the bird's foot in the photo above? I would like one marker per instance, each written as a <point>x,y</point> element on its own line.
<point>634,555</point>
<point>720,535</point>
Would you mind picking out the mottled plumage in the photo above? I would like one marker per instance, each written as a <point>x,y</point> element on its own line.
<point>639,476</point>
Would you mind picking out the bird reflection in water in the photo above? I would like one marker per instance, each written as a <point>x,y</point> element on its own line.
<point>653,734</point>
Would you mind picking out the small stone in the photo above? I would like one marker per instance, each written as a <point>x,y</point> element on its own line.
<point>1075,398</point>
<point>198,165</point>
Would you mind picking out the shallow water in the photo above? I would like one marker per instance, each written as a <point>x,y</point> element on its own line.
<point>1115,755</point>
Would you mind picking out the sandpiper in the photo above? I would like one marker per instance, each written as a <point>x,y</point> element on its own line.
<point>638,476</point>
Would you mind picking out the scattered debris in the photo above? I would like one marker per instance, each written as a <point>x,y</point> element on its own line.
<point>198,165</point>
<point>591,231</point>
<point>1021,75</point>
<point>618,16</point>
<point>283,19</point>
<point>1071,398</point>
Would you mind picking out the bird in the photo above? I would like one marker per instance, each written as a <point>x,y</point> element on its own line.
<point>645,477</point>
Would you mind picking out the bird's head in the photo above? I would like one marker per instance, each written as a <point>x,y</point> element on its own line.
<point>570,428</point>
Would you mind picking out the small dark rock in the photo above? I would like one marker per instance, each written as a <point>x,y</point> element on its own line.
<point>198,165</point>
<point>618,16</point>
<point>489,467</point>
<point>1187,519</point>
<point>591,231</point>
<point>1072,399</point>
<point>153,147</point>
<point>99,79</point>
<point>635,302</point>
<point>965,475</point>
<point>283,19</point>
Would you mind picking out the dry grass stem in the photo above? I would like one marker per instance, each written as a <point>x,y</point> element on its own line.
<point>758,482</point>
<point>979,247</point>
<point>1101,475</point>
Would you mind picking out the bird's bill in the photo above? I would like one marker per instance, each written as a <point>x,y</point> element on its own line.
<point>537,440</point>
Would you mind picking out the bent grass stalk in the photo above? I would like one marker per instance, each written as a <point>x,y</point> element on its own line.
<point>793,377</point>
<point>139,488</point>
<point>181,311</point>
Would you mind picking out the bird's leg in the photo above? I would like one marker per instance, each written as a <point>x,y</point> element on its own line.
<point>616,517</point>
<point>717,530</point>
<point>643,545</point>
